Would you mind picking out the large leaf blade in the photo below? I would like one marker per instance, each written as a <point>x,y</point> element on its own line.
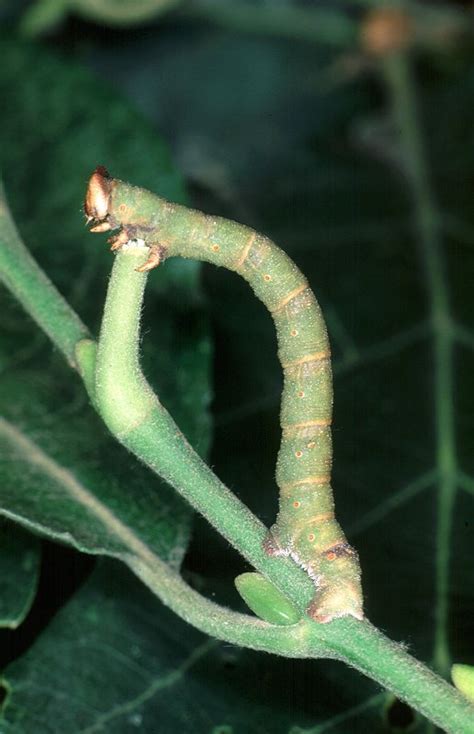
<point>20,556</point>
<point>62,475</point>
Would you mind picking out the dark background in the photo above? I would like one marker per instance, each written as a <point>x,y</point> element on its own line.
<point>277,115</point>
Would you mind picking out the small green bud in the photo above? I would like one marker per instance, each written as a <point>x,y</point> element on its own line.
<point>265,600</point>
<point>463,679</point>
<point>86,352</point>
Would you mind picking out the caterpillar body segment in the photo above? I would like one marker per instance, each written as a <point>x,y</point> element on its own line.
<point>305,528</point>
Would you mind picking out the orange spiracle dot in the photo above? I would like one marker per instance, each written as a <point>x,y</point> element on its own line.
<point>330,555</point>
<point>298,454</point>
<point>300,394</point>
<point>294,332</point>
<point>267,277</point>
<point>296,504</point>
<point>215,248</point>
<point>311,537</point>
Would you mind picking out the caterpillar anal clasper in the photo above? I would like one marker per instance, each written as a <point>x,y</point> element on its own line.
<point>305,529</point>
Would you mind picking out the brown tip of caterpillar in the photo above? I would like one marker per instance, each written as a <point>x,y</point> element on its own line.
<point>102,171</point>
<point>342,598</point>
<point>96,202</point>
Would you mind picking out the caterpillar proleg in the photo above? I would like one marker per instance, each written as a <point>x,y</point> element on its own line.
<point>305,528</point>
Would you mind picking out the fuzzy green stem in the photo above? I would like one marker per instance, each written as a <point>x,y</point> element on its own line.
<point>349,640</point>
<point>138,420</point>
<point>28,283</point>
<point>135,416</point>
<point>292,641</point>
<point>362,646</point>
<point>86,353</point>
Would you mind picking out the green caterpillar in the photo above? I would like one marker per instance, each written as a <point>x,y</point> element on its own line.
<point>305,529</point>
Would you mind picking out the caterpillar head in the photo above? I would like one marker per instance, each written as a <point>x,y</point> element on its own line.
<point>96,202</point>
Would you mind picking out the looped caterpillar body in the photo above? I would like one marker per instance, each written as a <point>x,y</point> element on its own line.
<point>305,529</point>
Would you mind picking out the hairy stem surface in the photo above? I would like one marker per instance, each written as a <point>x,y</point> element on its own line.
<point>139,421</point>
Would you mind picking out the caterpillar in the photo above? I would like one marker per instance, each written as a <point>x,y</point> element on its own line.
<point>305,528</point>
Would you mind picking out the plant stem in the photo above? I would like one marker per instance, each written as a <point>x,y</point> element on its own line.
<point>364,647</point>
<point>28,283</point>
<point>239,629</point>
<point>137,419</point>
<point>349,640</point>
<point>402,88</point>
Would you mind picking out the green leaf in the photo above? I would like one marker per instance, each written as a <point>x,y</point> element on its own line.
<point>265,600</point>
<point>463,679</point>
<point>114,660</point>
<point>20,555</point>
<point>61,474</point>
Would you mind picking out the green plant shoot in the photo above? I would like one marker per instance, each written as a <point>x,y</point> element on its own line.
<point>306,529</point>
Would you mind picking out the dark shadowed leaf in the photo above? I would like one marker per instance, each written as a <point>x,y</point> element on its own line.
<point>61,474</point>
<point>20,555</point>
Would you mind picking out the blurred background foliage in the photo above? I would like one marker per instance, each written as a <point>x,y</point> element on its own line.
<point>278,114</point>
